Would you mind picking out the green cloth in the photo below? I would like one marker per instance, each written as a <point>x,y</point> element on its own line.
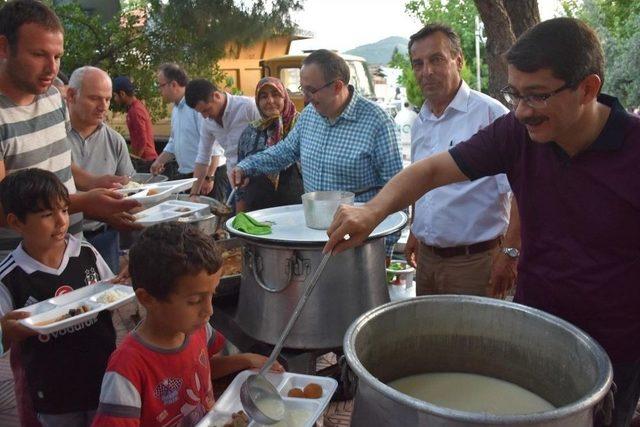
<point>243,222</point>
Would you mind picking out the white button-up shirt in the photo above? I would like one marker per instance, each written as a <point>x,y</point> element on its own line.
<point>463,213</point>
<point>185,136</point>
<point>239,112</point>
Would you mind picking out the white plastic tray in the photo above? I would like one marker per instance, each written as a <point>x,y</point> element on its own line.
<point>229,402</point>
<point>90,295</point>
<point>160,190</point>
<point>289,226</point>
<point>168,211</point>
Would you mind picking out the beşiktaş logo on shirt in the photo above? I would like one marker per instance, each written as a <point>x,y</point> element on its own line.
<point>91,276</point>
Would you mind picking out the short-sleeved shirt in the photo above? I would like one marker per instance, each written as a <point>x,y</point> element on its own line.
<point>35,136</point>
<point>149,386</point>
<point>580,222</point>
<point>463,213</point>
<point>141,131</point>
<point>64,368</point>
<point>104,152</point>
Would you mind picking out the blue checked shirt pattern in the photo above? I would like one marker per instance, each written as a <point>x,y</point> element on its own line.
<point>358,150</point>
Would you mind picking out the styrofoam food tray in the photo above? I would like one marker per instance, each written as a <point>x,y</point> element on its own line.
<point>90,295</point>
<point>168,211</point>
<point>162,190</point>
<point>229,402</point>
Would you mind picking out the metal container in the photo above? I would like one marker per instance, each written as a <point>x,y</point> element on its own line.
<point>207,222</point>
<point>508,341</point>
<point>148,178</point>
<point>273,276</point>
<point>321,206</point>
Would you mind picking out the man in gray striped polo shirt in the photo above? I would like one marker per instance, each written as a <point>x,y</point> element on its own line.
<point>33,118</point>
<point>33,132</point>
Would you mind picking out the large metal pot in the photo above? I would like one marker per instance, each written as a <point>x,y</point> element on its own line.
<point>273,276</point>
<point>208,221</point>
<point>515,343</point>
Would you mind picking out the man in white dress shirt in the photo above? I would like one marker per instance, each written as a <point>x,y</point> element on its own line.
<point>458,231</point>
<point>226,117</point>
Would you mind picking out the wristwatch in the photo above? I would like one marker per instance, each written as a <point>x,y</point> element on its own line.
<point>208,178</point>
<point>513,253</point>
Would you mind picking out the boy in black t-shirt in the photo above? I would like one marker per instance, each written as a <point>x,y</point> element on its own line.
<point>63,369</point>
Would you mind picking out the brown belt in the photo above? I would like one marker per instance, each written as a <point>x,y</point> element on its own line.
<point>464,250</point>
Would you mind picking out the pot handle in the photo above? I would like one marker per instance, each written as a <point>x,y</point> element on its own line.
<point>258,279</point>
<point>348,379</point>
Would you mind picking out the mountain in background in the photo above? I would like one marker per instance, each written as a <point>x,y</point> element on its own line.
<point>379,53</point>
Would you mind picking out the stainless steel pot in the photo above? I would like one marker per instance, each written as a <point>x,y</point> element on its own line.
<point>272,282</point>
<point>525,346</point>
<point>207,222</point>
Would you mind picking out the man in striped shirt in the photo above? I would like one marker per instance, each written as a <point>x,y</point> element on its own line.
<point>33,131</point>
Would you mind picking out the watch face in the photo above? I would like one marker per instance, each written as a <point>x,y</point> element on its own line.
<point>512,252</point>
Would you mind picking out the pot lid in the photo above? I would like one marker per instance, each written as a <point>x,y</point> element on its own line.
<point>289,226</point>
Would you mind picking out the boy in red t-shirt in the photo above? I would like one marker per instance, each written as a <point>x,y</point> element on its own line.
<point>161,373</point>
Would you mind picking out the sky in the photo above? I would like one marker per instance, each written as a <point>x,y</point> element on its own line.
<point>345,24</point>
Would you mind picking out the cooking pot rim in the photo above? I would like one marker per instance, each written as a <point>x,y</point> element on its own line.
<point>594,395</point>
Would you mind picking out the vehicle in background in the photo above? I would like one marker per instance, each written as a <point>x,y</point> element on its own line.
<point>287,69</point>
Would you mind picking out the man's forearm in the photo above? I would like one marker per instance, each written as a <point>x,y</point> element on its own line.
<point>512,236</point>
<point>165,157</point>
<point>84,180</point>
<point>201,170</point>
<point>411,183</point>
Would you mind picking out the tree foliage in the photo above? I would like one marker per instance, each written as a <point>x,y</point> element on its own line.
<point>618,26</point>
<point>193,33</point>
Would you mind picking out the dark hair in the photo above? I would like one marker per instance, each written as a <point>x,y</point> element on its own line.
<point>168,251</point>
<point>173,73</point>
<point>15,14</point>
<point>436,27</point>
<point>30,191</point>
<point>63,78</point>
<point>199,90</point>
<point>332,65</point>
<point>566,46</point>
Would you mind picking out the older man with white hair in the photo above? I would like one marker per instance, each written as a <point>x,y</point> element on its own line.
<point>96,147</point>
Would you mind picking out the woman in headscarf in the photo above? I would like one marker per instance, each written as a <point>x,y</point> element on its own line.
<point>278,117</point>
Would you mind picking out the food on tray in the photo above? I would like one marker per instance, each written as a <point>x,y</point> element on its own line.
<point>296,392</point>
<point>112,295</point>
<point>232,262</point>
<point>71,313</point>
<point>183,209</point>
<point>152,192</point>
<point>238,419</point>
<point>312,391</point>
<point>131,185</point>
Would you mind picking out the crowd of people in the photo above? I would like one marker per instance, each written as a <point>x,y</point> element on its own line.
<point>542,199</point>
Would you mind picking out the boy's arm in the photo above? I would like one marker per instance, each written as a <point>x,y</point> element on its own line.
<point>224,365</point>
<point>120,403</point>
<point>12,331</point>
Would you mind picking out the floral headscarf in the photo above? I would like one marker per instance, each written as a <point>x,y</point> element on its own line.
<point>282,124</point>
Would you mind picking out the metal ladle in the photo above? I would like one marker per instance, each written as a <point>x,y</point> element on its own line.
<point>259,397</point>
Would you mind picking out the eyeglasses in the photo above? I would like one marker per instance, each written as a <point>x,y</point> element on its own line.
<point>161,85</point>
<point>533,101</point>
<point>312,91</point>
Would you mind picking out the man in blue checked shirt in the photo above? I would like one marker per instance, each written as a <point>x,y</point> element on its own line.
<point>342,140</point>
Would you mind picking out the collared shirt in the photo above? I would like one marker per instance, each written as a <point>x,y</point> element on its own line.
<point>104,152</point>
<point>141,131</point>
<point>185,135</point>
<point>238,113</point>
<point>580,223</point>
<point>468,212</point>
<point>357,151</point>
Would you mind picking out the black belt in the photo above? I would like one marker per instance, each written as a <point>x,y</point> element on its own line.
<point>475,248</point>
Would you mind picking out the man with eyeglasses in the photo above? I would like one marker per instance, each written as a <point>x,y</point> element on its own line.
<point>342,140</point>
<point>458,229</point>
<point>571,155</point>
<point>186,123</point>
